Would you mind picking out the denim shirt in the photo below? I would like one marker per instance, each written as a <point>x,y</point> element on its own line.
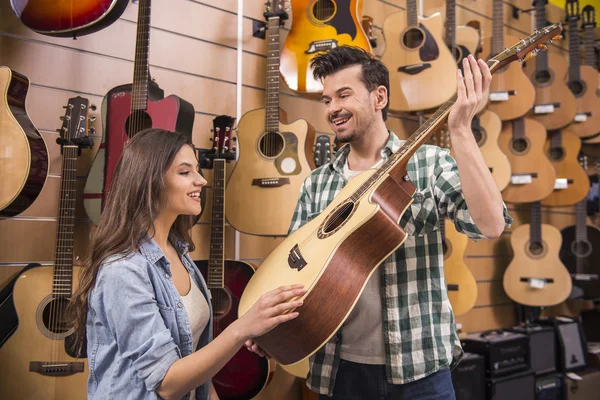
<point>137,326</point>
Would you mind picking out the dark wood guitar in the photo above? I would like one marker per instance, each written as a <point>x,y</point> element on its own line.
<point>334,254</point>
<point>128,109</point>
<point>322,150</point>
<point>24,160</point>
<point>588,16</point>
<point>554,105</point>
<point>68,18</point>
<point>580,251</point>
<point>246,374</point>
<point>39,360</point>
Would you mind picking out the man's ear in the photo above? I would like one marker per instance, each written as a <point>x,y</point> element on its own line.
<point>381,97</point>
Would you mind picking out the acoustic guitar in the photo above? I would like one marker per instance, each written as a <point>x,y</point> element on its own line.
<point>532,174</point>
<point>128,109</point>
<point>572,182</point>
<point>319,26</point>
<point>511,92</point>
<point>582,79</point>
<point>536,277</point>
<point>246,374</point>
<point>416,56</point>
<point>68,18</point>
<point>588,15</point>
<point>24,156</point>
<point>554,105</point>
<point>336,252</point>
<point>274,157</point>
<point>461,40</point>
<point>39,360</point>
<point>486,128</point>
<point>580,251</point>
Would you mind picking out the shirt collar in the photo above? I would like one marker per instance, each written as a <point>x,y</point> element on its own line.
<point>152,251</point>
<point>392,145</point>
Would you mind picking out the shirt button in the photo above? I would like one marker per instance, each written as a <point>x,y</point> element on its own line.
<point>419,198</point>
<point>179,305</point>
<point>167,275</point>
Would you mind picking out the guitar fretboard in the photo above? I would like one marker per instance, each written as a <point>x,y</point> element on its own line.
<point>272,78</point>
<point>217,230</point>
<point>535,227</point>
<point>139,89</point>
<point>497,27</point>
<point>590,46</point>
<point>574,63</point>
<point>451,25</point>
<point>541,62</point>
<point>412,15</point>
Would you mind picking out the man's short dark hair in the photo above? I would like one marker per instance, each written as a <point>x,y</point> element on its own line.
<point>374,72</point>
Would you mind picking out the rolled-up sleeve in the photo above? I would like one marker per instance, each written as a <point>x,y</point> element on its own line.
<point>132,315</point>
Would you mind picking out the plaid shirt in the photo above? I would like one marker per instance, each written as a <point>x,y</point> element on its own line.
<point>418,324</point>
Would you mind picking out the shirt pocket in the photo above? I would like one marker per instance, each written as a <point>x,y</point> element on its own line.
<point>422,216</point>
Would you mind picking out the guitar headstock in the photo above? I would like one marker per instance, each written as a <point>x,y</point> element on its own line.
<point>322,150</point>
<point>74,129</point>
<point>588,17</point>
<point>275,8</point>
<point>572,10</point>
<point>367,25</point>
<point>222,140</point>
<point>583,161</point>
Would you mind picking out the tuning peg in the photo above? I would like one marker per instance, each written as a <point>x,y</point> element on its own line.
<point>234,139</point>
<point>92,118</point>
<point>559,37</point>
<point>92,130</point>
<point>542,47</point>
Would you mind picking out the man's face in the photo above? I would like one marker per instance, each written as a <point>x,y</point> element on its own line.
<point>349,106</point>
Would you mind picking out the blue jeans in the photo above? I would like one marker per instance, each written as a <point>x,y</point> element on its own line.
<point>368,382</point>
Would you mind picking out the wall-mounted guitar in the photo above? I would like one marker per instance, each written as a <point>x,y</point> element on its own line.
<point>318,26</point>
<point>486,128</point>
<point>511,93</point>
<point>416,56</point>
<point>582,80</point>
<point>588,16</point>
<point>580,251</point>
<point>334,254</point>
<point>128,109</point>
<point>273,161</point>
<point>68,18</point>
<point>554,103</point>
<point>38,361</point>
<point>246,374</point>
<point>461,40</point>
<point>24,159</point>
<point>536,276</point>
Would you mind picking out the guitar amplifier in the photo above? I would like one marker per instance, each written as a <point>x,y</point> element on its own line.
<point>517,386</point>
<point>468,378</point>
<point>588,388</point>
<point>542,347</point>
<point>550,387</point>
<point>572,347</point>
<point>590,322</point>
<point>504,352</point>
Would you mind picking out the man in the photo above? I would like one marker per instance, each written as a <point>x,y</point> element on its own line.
<point>400,340</point>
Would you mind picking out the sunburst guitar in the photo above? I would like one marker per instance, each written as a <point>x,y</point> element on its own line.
<point>319,26</point>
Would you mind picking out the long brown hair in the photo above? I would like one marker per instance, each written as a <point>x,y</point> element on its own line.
<point>133,203</point>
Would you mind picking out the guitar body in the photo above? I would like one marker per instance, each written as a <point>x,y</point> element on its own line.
<point>319,25</point>
<point>529,159</point>
<point>247,373</point>
<point>462,287</point>
<point>582,258</point>
<point>32,342</point>
<point>24,156</point>
<point>418,62</point>
<point>587,103</point>
<point>68,18</point>
<point>171,113</point>
<point>545,265</point>
<point>487,135</point>
<point>566,165</point>
<point>551,89</point>
<point>521,93</point>
<point>267,209</point>
<point>467,41</point>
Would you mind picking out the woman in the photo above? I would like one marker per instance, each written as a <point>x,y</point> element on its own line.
<point>141,299</point>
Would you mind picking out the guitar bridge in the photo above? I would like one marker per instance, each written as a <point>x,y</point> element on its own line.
<point>55,368</point>
<point>295,259</point>
<point>321,45</point>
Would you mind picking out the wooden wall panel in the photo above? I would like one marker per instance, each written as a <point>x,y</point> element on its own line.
<point>484,318</point>
<point>488,268</point>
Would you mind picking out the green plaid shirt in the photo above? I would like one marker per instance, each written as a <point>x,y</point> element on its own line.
<point>418,324</point>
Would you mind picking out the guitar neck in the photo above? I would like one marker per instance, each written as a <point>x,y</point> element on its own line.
<point>141,73</point>
<point>412,15</point>
<point>574,64</point>
<point>541,61</point>
<point>217,230</point>
<point>580,224</point>
<point>272,78</point>
<point>498,27</point>
<point>590,46</point>
<point>63,267</point>
<point>535,226</point>
<point>451,25</point>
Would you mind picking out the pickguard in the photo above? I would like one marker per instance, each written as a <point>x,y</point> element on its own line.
<point>342,20</point>
<point>429,51</point>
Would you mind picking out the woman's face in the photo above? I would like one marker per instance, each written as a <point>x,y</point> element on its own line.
<point>184,183</point>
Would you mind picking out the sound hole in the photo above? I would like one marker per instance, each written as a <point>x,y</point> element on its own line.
<point>536,248</point>
<point>577,87</point>
<point>582,248</point>
<point>542,77</point>
<point>445,247</point>
<point>323,10</point>
<point>221,302</point>
<point>54,316</point>
<point>413,38</point>
<point>339,217</point>
<point>271,144</point>
<point>480,136</point>
<point>557,153</point>
<point>137,121</point>
<point>519,145</point>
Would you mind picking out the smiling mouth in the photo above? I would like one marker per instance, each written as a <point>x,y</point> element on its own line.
<point>340,121</point>
<point>195,195</point>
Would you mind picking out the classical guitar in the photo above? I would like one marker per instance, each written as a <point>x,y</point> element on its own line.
<point>536,276</point>
<point>39,360</point>
<point>334,254</point>
<point>511,93</point>
<point>486,128</point>
<point>318,26</point>
<point>128,109</point>
<point>554,105</point>
<point>416,56</point>
<point>273,158</point>
<point>572,182</point>
<point>461,40</point>
<point>24,160</point>
<point>580,251</point>
<point>68,18</point>
<point>588,15</point>
<point>246,374</point>
<point>532,174</point>
<point>582,79</point>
